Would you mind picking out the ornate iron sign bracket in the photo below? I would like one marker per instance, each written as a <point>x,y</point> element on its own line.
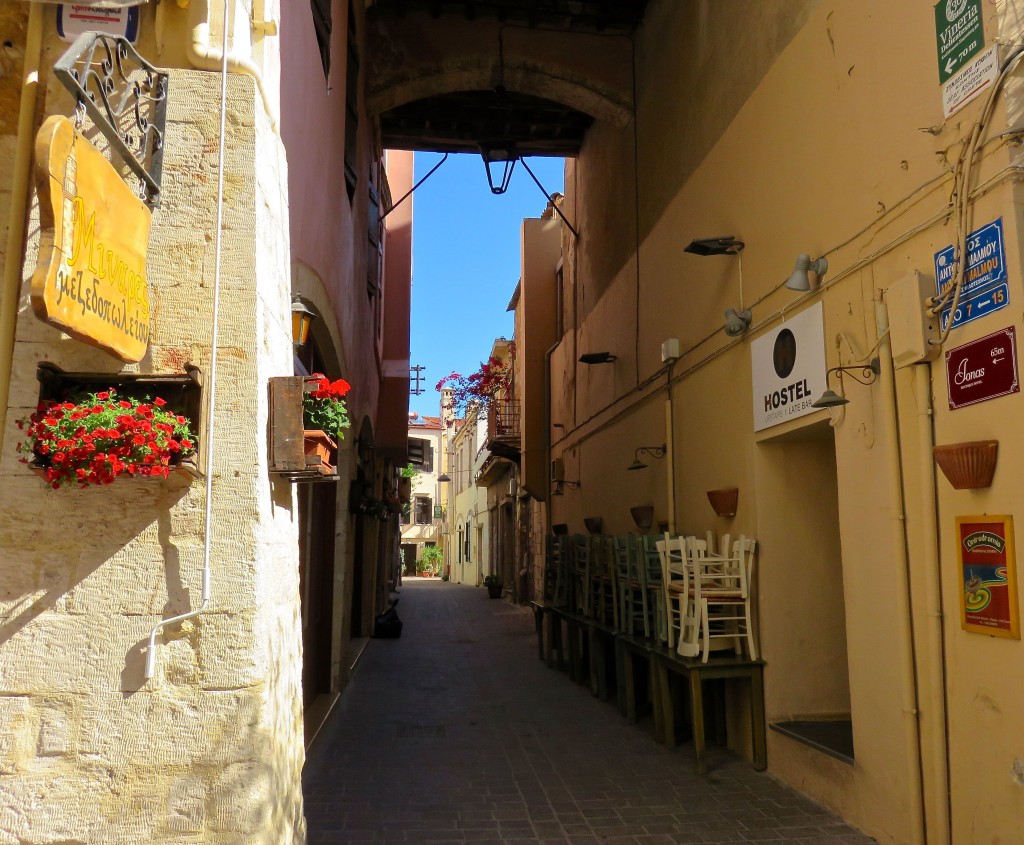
<point>125,97</point>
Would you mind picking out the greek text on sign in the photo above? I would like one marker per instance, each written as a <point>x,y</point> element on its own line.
<point>971,82</point>
<point>73,20</point>
<point>958,34</point>
<point>983,290</point>
<point>90,278</point>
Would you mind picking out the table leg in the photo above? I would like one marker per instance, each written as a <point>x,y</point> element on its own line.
<point>664,707</point>
<point>757,733</point>
<point>697,720</point>
<point>629,684</point>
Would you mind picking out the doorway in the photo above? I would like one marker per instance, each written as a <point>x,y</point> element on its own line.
<point>802,604</point>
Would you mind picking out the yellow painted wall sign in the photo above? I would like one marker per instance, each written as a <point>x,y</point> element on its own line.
<point>90,279</point>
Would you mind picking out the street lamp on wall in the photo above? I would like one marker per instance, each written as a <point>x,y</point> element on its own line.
<point>497,154</point>
<point>653,451</point>
<point>302,319</point>
<point>868,373</point>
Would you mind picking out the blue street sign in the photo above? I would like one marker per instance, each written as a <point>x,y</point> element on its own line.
<point>984,289</point>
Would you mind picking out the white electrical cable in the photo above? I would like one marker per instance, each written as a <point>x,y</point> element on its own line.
<point>212,388</point>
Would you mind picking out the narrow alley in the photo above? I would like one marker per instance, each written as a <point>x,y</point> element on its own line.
<point>458,733</point>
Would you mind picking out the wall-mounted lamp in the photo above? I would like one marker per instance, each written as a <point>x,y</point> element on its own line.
<point>596,358</point>
<point>653,451</point>
<point>868,373</point>
<point>501,153</point>
<point>725,245</point>
<point>799,280</point>
<point>444,478</point>
<point>574,485</point>
<point>302,319</point>
<point>737,322</point>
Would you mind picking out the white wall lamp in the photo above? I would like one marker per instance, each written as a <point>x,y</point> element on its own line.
<point>799,280</point>
<point>737,322</point>
<point>653,451</point>
<point>868,373</point>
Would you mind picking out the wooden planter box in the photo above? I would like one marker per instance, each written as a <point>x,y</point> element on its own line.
<point>181,391</point>
<point>298,454</point>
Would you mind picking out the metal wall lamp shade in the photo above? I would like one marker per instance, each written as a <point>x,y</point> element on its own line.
<point>868,373</point>
<point>737,322</point>
<point>799,280</point>
<point>302,319</point>
<point>596,358</point>
<point>653,451</point>
<point>444,478</point>
<point>499,154</point>
<point>725,245</point>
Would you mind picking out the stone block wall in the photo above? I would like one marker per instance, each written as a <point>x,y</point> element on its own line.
<point>209,750</point>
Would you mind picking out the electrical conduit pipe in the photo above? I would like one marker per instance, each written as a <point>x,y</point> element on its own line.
<point>10,296</point>
<point>150,669</point>
<point>905,633</point>
<point>203,55</point>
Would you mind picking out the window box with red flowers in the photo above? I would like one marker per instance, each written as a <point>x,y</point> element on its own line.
<point>93,429</point>
<point>308,419</point>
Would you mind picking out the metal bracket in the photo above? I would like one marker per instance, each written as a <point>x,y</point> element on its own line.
<point>125,97</point>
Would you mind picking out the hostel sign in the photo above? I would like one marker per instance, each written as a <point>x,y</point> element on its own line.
<point>958,34</point>
<point>788,368</point>
<point>90,278</point>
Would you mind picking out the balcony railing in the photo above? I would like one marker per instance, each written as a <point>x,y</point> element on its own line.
<point>503,421</point>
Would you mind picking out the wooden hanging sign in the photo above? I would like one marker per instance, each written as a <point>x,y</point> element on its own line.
<point>90,278</point>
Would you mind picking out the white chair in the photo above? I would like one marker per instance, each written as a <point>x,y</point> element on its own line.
<point>721,596</point>
<point>675,586</point>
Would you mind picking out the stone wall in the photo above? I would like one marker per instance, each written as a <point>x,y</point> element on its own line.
<point>211,748</point>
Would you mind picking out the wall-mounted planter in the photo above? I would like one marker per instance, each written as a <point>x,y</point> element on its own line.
<point>593,524</point>
<point>643,516</point>
<point>560,529</point>
<point>293,455</point>
<point>180,395</point>
<point>724,501</point>
<point>969,465</point>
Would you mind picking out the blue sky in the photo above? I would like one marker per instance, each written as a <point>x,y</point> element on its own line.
<point>466,262</point>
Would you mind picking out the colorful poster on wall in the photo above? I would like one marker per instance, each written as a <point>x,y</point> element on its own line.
<point>988,579</point>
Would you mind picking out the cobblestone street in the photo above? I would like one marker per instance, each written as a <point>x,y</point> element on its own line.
<point>457,733</point>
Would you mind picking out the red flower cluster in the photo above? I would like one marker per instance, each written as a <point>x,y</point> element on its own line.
<point>98,438</point>
<point>327,389</point>
<point>492,381</point>
<point>324,408</point>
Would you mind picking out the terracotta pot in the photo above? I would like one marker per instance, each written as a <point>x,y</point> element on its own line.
<point>643,516</point>
<point>319,448</point>
<point>593,524</point>
<point>724,501</point>
<point>969,465</point>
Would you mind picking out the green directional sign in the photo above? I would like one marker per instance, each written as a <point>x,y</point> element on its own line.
<point>958,34</point>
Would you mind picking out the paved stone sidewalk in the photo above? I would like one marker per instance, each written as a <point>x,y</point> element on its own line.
<point>457,733</point>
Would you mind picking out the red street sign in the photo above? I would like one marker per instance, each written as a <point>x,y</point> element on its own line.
<point>982,369</point>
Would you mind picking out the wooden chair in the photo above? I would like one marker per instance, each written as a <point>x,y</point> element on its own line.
<point>675,585</point>
<point>604,600</point>
<point>581,559</point>
<point>649,560</point>
<point>720,595</point>
<point>631,592</point>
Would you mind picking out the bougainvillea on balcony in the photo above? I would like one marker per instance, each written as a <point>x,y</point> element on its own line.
<point>491,382</point>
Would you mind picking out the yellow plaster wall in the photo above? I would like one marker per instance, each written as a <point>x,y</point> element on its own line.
<point>839,146</point>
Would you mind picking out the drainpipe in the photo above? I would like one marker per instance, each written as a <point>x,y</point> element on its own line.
<point>938,763</point>
<point>905,634</point>
<point>670,456</point>
<point>11,293</point>
<point>205,56</point>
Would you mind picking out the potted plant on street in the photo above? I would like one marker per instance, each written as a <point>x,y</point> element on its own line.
<point>494,586</point>
<point>325,418</point>
<point>430,560</point>
<point>99,437</point>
